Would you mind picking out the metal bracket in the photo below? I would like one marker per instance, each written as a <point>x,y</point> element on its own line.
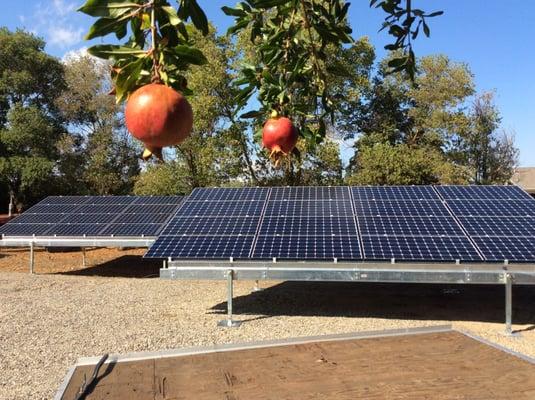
<point>229,322</point>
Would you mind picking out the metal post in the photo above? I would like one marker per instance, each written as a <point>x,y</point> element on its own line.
<point>229,322</point>
<point>83,257</point>
<point>256,287</point>
<point>508,304</point>
<point>31,258</point>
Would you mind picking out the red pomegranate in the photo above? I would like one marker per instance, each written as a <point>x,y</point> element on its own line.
<point>158,116</point>
<point>279,136</point>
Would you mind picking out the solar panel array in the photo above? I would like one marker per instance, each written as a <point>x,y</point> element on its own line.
<point>74,216</point>
<point>404,223</point>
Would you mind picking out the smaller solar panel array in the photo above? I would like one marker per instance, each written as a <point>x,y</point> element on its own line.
<point>499,219</point>
<point>74,216</point>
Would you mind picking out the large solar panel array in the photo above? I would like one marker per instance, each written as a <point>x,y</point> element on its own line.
<point>402,223</point>
<point>75,216</point>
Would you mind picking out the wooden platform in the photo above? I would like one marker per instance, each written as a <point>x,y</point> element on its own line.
<point>433,365</point>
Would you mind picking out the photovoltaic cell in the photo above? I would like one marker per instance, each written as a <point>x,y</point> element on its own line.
<point>310,193</point>
<point>307,248</point>
<point>111,200</point>
<point>409,226</point>
<point>141,218</point>
<point>308,226</point>
<point>309,208</point>
<point>212,226</point>
<point>400,208</point>
<point>506,248</point>
<point>220,208</point>
<point>482,193</point>
<point>150,209</point>
<point>66,200</point>
<point>53,209</point>
<point>12,229</point>
<point>38,218</point>
<point>508,208</point>
<point>394,193</point>
<point>87,219</point>
<point>228,194</point>
<point>176,200</point>
<point>201,247</point>
<point>131,230</point>
<point>414,248</point>
<point>100,209</point>
<point>503,226</point>
<point>75,229</point>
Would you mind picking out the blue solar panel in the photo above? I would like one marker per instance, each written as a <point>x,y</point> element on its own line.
<point>508,208</point>
<point>75,229</point>
<point>87,218</point>
<point>66,200</point>
<point>308,226</point>
<point>394,193</point>
<point>418,248</point>
<point>307,208</point>
<point>53,209</point>
<point>401,208</point>
<point>228,194</point>
<point>220,208</point>
<point>409,226</point>
<point>310,193</point>
<point>176,200</point>
<point>506,248</point>
<point>101,209</point>
<point>38,218</point>
<point>503,226</point>
<point>12,229</point>
<point>307,248</point>
<point>482,193</point>
<point>150,208</point>
<point>111,200</point>
<point>131,230</point>
<point>141,218</point>
<point>192,247</point>
<point>212,226</point>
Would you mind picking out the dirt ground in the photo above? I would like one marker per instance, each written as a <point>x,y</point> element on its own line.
<point>117,304</point>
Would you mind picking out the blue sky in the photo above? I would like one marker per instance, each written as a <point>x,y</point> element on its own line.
<point>493,37</point>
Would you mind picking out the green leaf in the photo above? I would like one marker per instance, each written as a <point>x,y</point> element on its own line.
<point>234,12</point>
<point>107,8</point>
<point>104,26</point>
<point>269,3</point>
<point>426,29</point>
<point>173,16</point>
<point>189,54</point>
<point>435,14</point>
<point>252,114</point>
<point>198,17</point>
<point>108,51</point>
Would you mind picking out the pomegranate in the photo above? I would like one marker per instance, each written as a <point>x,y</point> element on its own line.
<point>279,136</point>
<point>158,116</point>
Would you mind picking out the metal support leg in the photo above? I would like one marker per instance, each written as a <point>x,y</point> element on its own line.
<point>256,287</point>
<point>83,258</point>
<point>31,258</point>
<point>229,322</point>
<point>508,304</point>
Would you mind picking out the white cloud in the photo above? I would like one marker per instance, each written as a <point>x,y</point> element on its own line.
<point>64,36</point>
<point>54,20</point>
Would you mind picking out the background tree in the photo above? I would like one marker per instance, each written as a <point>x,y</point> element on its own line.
<point>30,126</point>
<point>100,149</point>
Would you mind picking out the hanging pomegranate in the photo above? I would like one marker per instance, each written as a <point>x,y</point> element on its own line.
<point>279,136</point>
<point>158,116</point>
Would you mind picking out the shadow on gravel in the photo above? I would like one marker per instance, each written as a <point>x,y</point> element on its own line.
<point>127,266</point>
<point>392,301</point>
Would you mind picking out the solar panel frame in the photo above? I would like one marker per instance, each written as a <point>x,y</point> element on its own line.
<point>20,230</point>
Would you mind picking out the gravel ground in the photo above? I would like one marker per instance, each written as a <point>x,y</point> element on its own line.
<point>49,320</point>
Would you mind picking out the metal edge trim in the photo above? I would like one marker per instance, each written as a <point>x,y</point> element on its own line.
<point>497,346</point>
<point>85,361</point>
<point>65,383</point>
